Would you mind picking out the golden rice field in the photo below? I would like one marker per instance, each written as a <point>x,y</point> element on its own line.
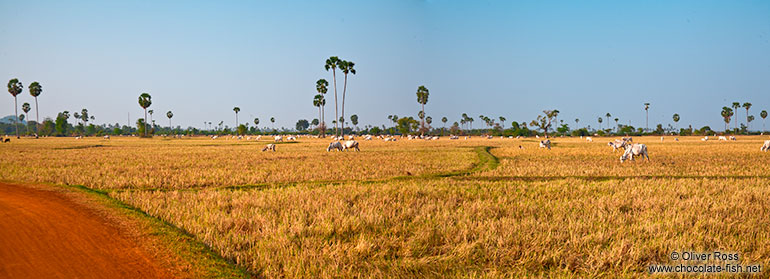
<point>573,211</point>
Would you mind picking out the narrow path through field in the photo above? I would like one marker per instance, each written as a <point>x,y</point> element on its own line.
<point>44,234</point>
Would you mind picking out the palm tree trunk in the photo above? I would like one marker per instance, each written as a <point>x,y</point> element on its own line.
<point>320,118</point>
<point>37,118</point>
<point>422,120</point>
<point>336,114</point>
<point>145,122</point>
<point>16,109</point>
<point>344,89</point>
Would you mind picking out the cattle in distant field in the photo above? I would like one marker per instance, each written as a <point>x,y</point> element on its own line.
<point>269,146</point>
<point>545,144</point>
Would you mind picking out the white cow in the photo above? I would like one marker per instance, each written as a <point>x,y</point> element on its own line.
<point>107,137</point>
<point>636,149</point>
<point>291,138</point>
<point>628,139</point>
<point>618,144</point>
<point>278,138</point>
<point>722,138</point>
<point>269,146</point>
<point>334,145</point>
<point>545,144</point>
<point>766,146</point>
<point>732,138</point>
<point>706,138</point>
<point>589,139</point>
<point>351,144</point>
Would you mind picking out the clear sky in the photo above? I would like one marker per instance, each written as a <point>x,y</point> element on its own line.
<point>496,58</point>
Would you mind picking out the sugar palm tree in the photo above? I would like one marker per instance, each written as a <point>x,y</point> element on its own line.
<point>25,108</point>
<point>321,86</point>
<point>676,120</point>
<point>145,101</point>
<point>353,119</point>
<point>236,110</point>
<point>256,123</point>
<point>576,123</point>
<point>616,124</point>
<point>347,68</point>
<point>647,116</point>
<point>272,120</point>
<point>429,120</point>
<point>736,105</point>
<point>319,101</point>
<point>608,115</point>
<point>15,88</point>
<point>763,114</point>
<point>502,122</point>
<point>422,98</point>
<point>169,114</point>
<point>444,120</point>
<point>747,106</point>
<point>727,113</point>
<point>332,63</point>
<point>35,89</point>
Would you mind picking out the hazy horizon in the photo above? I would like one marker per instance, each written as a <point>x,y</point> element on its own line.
<point>200,60</point>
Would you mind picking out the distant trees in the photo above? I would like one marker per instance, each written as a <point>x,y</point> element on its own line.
<point>422,99</point>
<point>443,120</point>
<point>736,105</point>
<point>747,106</point>
<point>502,122</point>
<point>321,86</point>
<point>145,100</point>
<point>61,123</point>
<point>319,101</point>
<point>302,125</point>
<point>35,89</point>
<point>544,121</point>
<point>354,120</point>
<point>15,88</point>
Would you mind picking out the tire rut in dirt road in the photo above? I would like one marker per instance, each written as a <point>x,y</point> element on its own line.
<point>44,234</point>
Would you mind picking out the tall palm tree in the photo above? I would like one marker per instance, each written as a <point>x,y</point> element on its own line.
<point>236,110</point>
<point>428,120</point>
<point>608,115</point>
<point>616,124</point>
<point>35,89</point>
<point>353,119</point>
<point>347,68</point>
<point>145,100</point>
<point>422,98</point>
<point>747,106</point>
<point>256,123</point>
<point>727,113</point>
<point>502,122</point>
<point>676,120</point>
<point>763,114</point>
<point>25,108</point>
<point>272,120</point>
<point>319,101</point>
<point>444,120</point>
<point>321,86</point>
<point>600,122</point>
<point>169,114</point>
<point>647,116</point>
<point>332,63</point>
<point>15,88</point>
<point>736,105</point>
<point>576,123</point>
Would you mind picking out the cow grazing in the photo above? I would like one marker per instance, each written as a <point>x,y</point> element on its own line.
<point>628,139</point>
<point>764,148</point>
<point>291,138</point>
<point>107,137</point>
<point>722,138</point>
<point>706,138</point>
<point>589,139</point>
<point>732,138</point>
<point>5,140</point>
<point>545,144</point>
<point>351,144</point>
<point>636,149</point>
<point>334,145</point>
<point>278,138</point>
<point>269,146</point>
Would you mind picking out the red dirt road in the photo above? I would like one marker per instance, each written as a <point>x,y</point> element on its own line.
<point>45,234</point>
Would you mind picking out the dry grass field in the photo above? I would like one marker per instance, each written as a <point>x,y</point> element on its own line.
<point>472,209</point>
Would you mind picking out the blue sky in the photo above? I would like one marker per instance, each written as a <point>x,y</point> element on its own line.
<point>496,58</point>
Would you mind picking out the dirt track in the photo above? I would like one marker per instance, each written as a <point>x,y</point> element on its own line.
<point>44,234</point>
